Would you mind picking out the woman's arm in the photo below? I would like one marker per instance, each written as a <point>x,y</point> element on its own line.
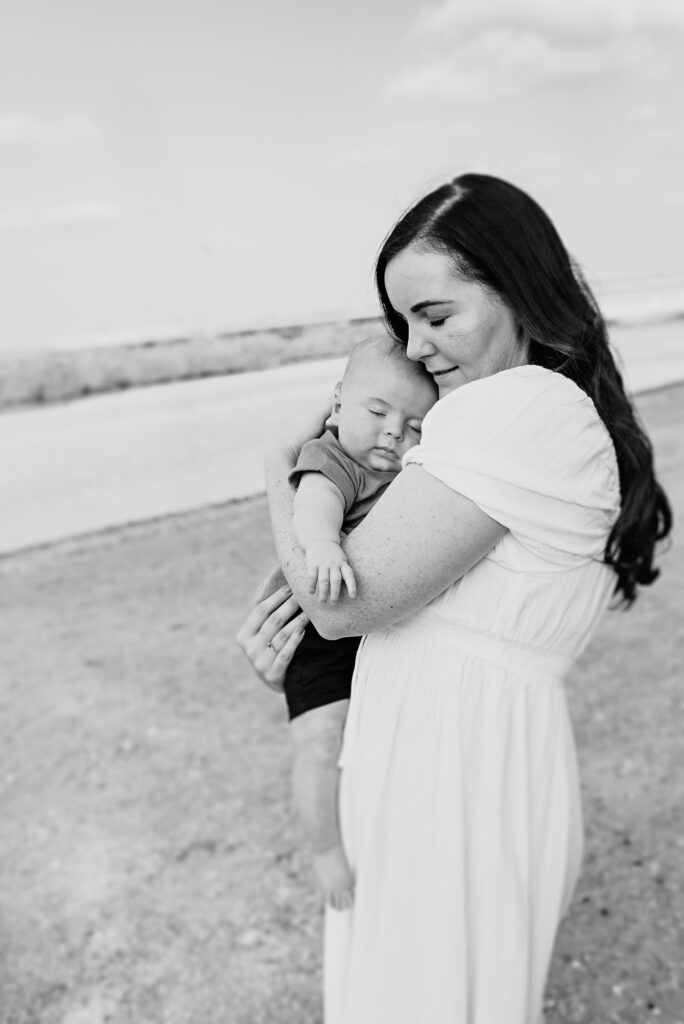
<point>417,540</point>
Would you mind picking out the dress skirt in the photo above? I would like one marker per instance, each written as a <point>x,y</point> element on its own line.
<point>460,814</point>
<point>459,796</point>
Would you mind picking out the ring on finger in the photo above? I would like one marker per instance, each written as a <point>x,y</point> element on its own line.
<point>270,646</point>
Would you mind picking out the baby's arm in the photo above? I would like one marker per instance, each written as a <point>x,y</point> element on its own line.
<point>318,515</point>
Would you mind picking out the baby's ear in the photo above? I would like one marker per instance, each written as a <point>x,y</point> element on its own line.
<point>336,404</point>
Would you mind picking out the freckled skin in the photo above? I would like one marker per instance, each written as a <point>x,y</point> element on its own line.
<point>470,333</point>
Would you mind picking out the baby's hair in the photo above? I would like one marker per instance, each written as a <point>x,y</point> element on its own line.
<point>378,350</point>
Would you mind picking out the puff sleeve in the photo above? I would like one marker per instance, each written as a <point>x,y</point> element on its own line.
<point>528,447</point>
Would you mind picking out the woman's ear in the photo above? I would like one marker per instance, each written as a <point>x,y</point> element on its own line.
<point>336,405</point>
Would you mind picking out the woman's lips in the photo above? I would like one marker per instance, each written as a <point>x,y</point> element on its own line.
<point>441,373</point>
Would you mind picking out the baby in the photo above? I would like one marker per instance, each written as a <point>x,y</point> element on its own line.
<point>377,413</point>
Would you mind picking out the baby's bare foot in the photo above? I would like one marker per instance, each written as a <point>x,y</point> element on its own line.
<point>335,878</point>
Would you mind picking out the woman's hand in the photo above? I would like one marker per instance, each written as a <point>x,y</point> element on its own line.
<point>271,634</point>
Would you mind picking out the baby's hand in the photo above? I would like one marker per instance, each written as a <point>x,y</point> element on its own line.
<point>327,567</point>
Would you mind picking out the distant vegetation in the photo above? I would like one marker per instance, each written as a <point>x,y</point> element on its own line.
<point>47,377</point>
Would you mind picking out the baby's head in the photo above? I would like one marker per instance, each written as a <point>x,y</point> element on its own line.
<point>380,404</point>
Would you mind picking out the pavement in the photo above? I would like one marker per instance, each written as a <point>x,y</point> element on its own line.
<point>105,461</point>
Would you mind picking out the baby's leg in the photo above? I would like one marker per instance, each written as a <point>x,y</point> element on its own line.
<point>317,736</point>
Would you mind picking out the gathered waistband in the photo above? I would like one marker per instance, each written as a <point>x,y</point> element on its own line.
<point>489,647</point>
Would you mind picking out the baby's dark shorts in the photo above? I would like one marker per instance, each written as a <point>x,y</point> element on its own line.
<point>320,672</point>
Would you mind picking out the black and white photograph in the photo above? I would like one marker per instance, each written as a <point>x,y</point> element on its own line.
<point>341,471</point>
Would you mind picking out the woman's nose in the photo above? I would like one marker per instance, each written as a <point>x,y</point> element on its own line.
<point>417,345</point>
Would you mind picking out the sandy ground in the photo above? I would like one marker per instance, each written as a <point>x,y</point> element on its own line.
<point>150,867</point>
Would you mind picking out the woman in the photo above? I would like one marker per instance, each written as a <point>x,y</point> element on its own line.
<point>482,573</point>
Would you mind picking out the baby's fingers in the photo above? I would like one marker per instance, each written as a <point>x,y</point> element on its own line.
<point>335,583</point>
<point>312,578</point>
<point>349,579</point>
<point>323,584</point>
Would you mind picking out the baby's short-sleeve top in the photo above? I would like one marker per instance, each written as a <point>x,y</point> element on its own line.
<point>529,448</point>
<point>361,487</point>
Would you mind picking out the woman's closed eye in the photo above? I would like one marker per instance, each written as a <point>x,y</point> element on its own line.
<point>438,322</point>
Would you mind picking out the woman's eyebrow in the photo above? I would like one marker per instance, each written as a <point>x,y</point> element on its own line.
<point>428,302</point>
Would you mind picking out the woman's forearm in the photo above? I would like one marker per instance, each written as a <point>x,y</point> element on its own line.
<point>418,539</point>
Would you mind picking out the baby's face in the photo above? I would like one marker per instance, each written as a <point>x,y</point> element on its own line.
<point>380,415</point>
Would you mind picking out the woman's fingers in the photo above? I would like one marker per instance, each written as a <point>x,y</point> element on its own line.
<point>278,615</point>
<point>270,634</point>
<point>268,617</point>
<point>279,618</point>
<point>275,657</point>
<point>284,655</point>
<point>261,611</point>
<point>284,634</point>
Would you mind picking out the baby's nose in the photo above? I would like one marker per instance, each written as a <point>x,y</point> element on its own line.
<point>394,428</point>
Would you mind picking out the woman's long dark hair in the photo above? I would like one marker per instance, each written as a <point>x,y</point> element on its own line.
<point>497,235</point>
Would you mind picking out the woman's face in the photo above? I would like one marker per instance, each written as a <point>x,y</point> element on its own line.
<point>459,329</point>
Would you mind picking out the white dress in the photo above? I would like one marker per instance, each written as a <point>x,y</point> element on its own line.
<point>459,797</point>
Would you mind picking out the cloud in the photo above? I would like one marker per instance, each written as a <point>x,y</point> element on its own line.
<point>23,130</point>
<point>86,213</point>
<point>499,62</point>
<point>581,19</point>
<point>496,48</point>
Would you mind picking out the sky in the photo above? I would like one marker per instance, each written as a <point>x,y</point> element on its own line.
<point>189,165</point>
